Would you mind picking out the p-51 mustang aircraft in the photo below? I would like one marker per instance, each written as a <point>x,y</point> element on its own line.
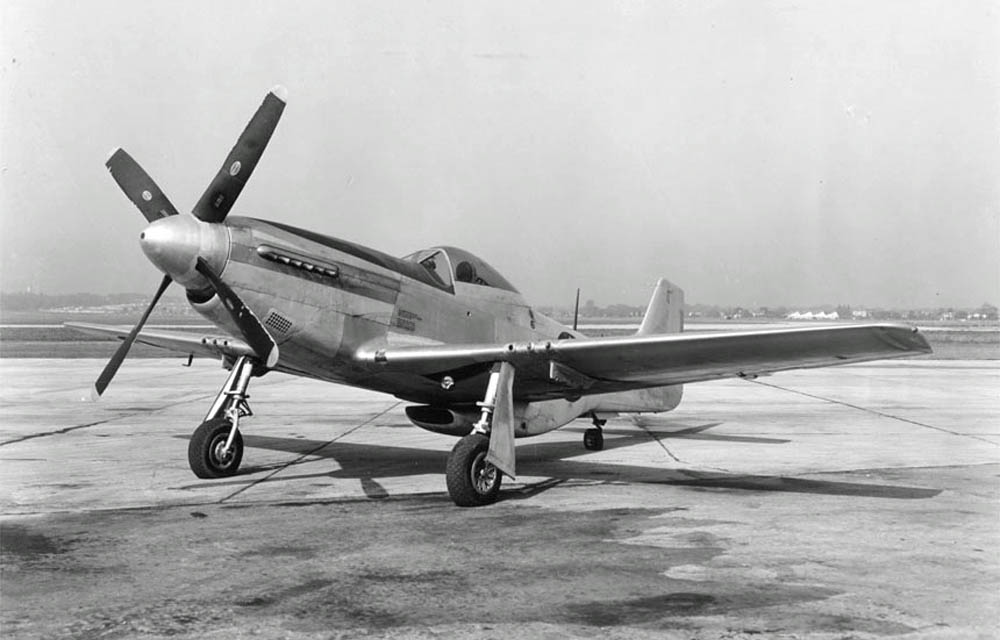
<point>439,328</point>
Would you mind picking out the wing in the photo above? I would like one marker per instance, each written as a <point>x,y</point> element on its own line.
<point>566,368</point>
<point>199,344</point>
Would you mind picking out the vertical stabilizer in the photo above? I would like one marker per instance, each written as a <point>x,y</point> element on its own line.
<point>665,313</point>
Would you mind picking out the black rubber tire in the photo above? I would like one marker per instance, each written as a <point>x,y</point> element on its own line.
<point>202,450</point>
<point>593,440</point>
<point>472,482</point>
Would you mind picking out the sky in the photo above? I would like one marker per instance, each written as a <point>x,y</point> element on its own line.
<point>754,153</point>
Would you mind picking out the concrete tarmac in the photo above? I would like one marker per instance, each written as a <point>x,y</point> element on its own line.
<point>851,502</point>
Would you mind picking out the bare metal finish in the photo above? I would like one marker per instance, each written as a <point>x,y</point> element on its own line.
<point>440,328</point>
<point>175,243</point>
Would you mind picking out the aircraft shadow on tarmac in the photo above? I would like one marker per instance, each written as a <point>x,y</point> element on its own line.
<point>553,460</point>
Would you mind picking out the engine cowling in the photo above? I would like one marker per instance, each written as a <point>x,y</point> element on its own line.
<point>449,421</point>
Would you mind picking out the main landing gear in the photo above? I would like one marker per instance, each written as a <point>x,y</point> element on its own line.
<point>216,448</point>
<point>593,439</point>
<point>472,479</point>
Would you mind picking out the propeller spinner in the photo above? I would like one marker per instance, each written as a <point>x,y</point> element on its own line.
<point>192,250</point>
<point>176,243</point>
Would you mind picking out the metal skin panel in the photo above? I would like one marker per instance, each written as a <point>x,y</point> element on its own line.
<point>214,311</point>
<point>422,313</point>
<point>330,318</point>
<point>508,312</point>
<point>251,329</point>
<point>541,416</point>
<point>653,399</point>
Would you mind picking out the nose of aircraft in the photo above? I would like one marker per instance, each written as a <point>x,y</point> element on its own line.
<point>175,243</point>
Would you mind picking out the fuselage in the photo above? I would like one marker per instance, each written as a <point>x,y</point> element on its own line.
<point>324,300</point>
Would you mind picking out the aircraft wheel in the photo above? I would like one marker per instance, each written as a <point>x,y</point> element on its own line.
<point>593,440</point>
<point>472,481</point>
<point>205,450</point>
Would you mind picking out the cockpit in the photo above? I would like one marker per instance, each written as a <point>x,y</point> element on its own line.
<point>447,265</point>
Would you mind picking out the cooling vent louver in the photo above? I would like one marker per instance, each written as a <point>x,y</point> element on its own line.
<point>278,322</point>
<point>284,257</point>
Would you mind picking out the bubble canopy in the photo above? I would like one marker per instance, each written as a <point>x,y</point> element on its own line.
<point>451,264</point>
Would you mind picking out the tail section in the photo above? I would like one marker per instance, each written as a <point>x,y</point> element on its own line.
<point>665,313</point>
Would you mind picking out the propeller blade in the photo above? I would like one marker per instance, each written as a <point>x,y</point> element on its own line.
<point>111,368</point>
<point>218,199</point>
<point>253,331</point>
<point>139,187</point>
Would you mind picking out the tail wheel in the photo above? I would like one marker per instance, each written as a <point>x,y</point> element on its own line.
<point>472,481</point>
<point>593,440</point>
<point>207,452</point>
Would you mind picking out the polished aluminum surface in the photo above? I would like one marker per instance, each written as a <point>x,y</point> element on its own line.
<point>174,244</point>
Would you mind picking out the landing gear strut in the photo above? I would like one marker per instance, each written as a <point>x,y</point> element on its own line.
<point>593,439</point>
<point>216,447</point>
<point>472,479</point>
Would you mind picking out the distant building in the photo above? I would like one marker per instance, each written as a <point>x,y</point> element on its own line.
<point>810,315</point>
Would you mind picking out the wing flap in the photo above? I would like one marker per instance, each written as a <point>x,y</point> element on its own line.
<point>200,344</point>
